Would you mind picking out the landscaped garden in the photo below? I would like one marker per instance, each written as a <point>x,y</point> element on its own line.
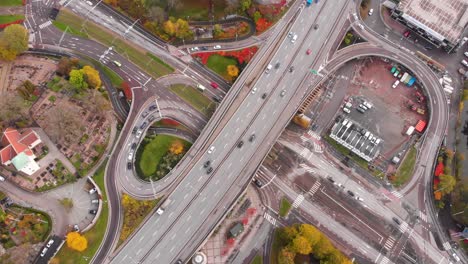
<point>228,64</point>
<point>11,3</point>
<point>285,206</point>
<point>20,225</point>
<point>158,154</point>
<point>5,19</point>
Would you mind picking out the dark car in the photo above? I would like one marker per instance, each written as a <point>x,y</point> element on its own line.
<point>240,144</point>
<point>203,48</point>
<point>179,261</point>
<point>217,99</point>
<point>330,179</point>
<point>152,107</point>
<point>93,212</point>
<point>134,145</point>
<point>134,130</point>
<point>316,26</point>
<point>351,193</point>
<point>144,125</point>
<point>258,183</point>
<point>264,95</point>
<point>252,138</point>
<point>151,118</point>
<point>362,111</point>
<point>277,65</point>
<point>396,220</point>
<point>291,69</point>
<point>210,169</point>
<point>207,163</point>
<point>129,165</point>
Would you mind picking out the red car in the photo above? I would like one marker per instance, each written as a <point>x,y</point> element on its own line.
<point>407,33</point>
<point>308,51</point>
<point>214,85</point>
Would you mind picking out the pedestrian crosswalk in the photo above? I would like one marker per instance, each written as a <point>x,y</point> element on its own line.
<point>314,188</point>
<point>318,148</point>
<point>313,134</point>
<point>397,194</point>
<point>298,201</point>
<point>308,169</point>
<point>384,260</point>
<point>45,24</point>
<point>423,216</point>
<point>403,227</point>
<point>304,138</point>
<point>389,243</point>
<point>447,245</point>
<point>270,219</point>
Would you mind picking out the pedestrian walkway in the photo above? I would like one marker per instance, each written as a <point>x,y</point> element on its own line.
<point>270,219</point>
<point>389,243</point>
<point>308,169</point>
<point>45,24</point>
<point>403,227</point>
<point>397,194</point>
<point>385,260</point>
<point>447,245</point>
<point>314,188</point>
<point>423,216</point>
<point>298,201</point>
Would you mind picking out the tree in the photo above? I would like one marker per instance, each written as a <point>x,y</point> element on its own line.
<point>13,109</point>
<point>157,14</point>
<point>323,248</point>
<point>176,147</point>
<point>232,71</point>
<point>76,241</point>
<point>301,245</point>
<point>447,183</point>
<point>64,123</point>
<point>312,234</point>
<point>92,76</point>
<point>257,16</point>
<point>182,29</point>
<point>288,233</point>
<point>77,79</point>
<point>217,30</point>
<point>13,41</point>
<point>286,256</point>
<point>169,28</point>
<point>245,4</point>
<point>65,65</point>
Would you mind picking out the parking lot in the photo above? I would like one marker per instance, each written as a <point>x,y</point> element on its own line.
<point>390,113</point>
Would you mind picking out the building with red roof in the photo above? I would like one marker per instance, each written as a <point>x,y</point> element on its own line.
<point>17,149</point>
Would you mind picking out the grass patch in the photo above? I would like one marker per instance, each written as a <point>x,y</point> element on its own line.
<point>115,79</point>
<point>4,19</point>
<point>285,206</point>
<point>257,260</point>
<point>194,98</point>
<point>72,31</point>
<point>2,195</point>
<point>153,151</point>
<point>94,235</point>
<point>275,248</point>
<point>219,64</point>
<point>135,212</point>
<point>148,64</point>
<point>11,3</point>
<point>405,171</point>
<point>160,61</point>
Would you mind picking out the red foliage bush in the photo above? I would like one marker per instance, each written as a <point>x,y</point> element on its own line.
<point>439,169</point>
<point>20,21</point>
<point>243,55</point>
<point>262,25</point>
<point>169,122</point>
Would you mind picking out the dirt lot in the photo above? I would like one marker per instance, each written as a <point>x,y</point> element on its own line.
<point>390,115</point>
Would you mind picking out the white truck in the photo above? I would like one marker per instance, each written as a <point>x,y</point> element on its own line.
<point>163,207</point>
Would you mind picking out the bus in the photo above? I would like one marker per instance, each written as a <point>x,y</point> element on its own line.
<point>201,87</point>
<point>118,64</point>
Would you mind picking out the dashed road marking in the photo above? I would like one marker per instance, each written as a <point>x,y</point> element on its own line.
<point>314,188</point>
<point>45,24</point>
<point>389,243</point>
<point>270,218</point>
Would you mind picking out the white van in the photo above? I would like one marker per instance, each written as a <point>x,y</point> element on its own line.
<point>268,68</point>
<point>294,38</point>
<point>201,87</point>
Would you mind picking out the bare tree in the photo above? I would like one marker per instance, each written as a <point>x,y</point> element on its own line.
<point>14,109</point>
<point>64,124</point>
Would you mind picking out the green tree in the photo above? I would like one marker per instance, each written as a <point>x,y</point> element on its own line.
<point>257,15</point>
<point>447,183</point>
<point>182,29</point>
<point>323,248</point>
<point>13,41</point>
<point>245,4</point>
<point>77,79</point>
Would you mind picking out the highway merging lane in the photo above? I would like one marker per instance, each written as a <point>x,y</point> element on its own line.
<point>201,199</point>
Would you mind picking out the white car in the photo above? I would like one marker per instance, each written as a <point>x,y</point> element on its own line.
<point>89,3</point>
<point>130,156</point>
<point>2,178</point>
<point>254,90</point>
<point>50,243</point>
<point>44,251</point>
<point>456,257</point>
<point>359,199</point>
<point>212,148</point>
<point>371,11</point>
<point>346,110</point>
<point>355,16</point>
<point>217,47</point>
<point>294,38</point>
<point>367,104</point>
<point>138,134</point>
<point>194,49</point>
<point>466,54</point>
<point>395,84</point>
<point>361,26</point>
<point>464,63</point>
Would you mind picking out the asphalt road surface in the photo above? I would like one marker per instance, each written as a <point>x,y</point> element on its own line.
<point>201,199</point>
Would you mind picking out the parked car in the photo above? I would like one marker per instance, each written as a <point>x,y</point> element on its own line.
<point>395,84</point>
<point>464,63</point>
<point>346,110</point>
<point>130,155</point>
<point>134,130</point>
<point>254,90</point>
<point>152,107</point>
<point>93,190</point>
<point>138,134</point>
<point>134,145</point>
<point>50,243</point>
<point>396,220</point>
<point>217,47</point>
<point>44,251</point>
<point>210,169</point>
<point>294,38</point>
<point>129,165</point>
<point>151,118</point>
<point>407,33</point>
<point>371,11</point>
<point>212,148</point>
<point>258,183</point>
<point>143,125</point>
<point>2,178</point>
<point>351,193</point>
<point>93,212</point>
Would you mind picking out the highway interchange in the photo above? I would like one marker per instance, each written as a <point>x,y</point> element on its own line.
<point>195,209</point>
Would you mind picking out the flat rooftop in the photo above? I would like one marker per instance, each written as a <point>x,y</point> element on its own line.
<point>446,18</point>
